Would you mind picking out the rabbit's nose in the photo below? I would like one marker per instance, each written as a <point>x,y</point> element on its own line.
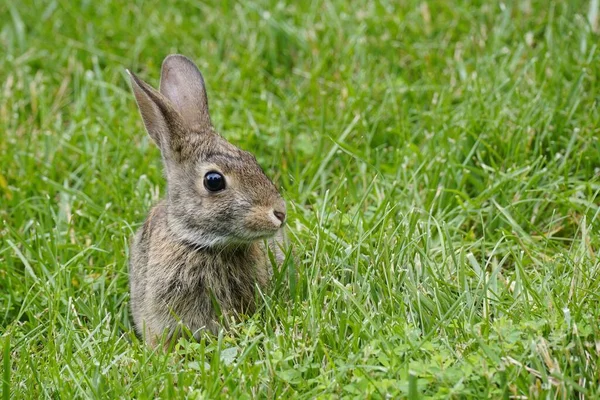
<point>279,215</point>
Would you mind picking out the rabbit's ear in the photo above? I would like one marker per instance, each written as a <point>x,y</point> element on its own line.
<point>181,82</point>
<point>162,121</point>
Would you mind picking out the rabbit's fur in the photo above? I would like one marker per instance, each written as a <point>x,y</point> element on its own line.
<point>199,253</point>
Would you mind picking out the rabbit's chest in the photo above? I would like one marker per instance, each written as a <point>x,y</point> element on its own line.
<point>230,281</point>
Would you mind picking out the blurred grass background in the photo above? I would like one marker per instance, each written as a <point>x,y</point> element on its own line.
<point>441,162</point>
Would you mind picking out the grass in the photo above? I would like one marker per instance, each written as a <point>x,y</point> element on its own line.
<point>441,162</point>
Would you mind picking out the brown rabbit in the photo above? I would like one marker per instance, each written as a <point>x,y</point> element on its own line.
<point>203,246</point>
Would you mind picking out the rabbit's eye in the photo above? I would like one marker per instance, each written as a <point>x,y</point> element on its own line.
<point>214,181</point>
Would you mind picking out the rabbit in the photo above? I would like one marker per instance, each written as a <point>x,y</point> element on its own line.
<point>205,247</point>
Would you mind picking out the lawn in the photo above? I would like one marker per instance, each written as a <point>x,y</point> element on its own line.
<point>441,165</point>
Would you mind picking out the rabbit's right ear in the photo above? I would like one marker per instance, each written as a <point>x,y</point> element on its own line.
<point>182,83</point>
<point>162,121</point>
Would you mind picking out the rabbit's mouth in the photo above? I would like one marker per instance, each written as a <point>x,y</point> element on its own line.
<point>248,236</point>
<point>254,236</point>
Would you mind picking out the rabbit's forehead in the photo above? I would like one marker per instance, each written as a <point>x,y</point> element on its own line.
<point>242,169</point>
<point>228,162</point>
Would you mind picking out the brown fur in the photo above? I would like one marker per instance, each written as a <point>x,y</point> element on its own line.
<point>199,250</point>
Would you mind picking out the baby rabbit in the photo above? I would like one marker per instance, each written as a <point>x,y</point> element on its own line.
<point>202,249</point>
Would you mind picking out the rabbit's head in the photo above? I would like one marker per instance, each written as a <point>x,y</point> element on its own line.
<point>218,195</point>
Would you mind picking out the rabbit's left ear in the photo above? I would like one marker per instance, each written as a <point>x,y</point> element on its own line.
<point>182,83</point>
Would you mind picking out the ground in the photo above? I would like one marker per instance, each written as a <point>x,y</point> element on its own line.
<point>441,164</point>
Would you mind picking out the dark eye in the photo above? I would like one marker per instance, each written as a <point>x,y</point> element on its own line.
<point>214,181</point>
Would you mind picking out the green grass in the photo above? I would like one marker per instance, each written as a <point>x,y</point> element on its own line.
<point>441,162</point>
